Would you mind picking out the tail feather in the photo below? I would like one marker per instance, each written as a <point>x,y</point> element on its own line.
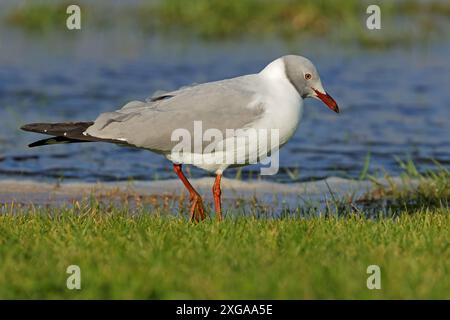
<point>65,132</point>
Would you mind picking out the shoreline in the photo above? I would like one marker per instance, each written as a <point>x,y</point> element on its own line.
<point>31,192</point>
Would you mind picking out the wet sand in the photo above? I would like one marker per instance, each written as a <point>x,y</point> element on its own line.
<point>48,194</point>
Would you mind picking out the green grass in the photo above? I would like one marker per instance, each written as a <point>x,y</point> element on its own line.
<point>150,254</point>
<point>426,190</point>
<point>222,18</point>
<point>39,17</point>
<point>219,19</point>
<point>156,256</point>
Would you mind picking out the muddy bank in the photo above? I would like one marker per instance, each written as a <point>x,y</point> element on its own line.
<point>44,194</point>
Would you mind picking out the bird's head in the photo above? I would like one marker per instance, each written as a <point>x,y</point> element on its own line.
<point>305,78</point>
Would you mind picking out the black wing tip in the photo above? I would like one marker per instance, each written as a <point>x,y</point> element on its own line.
<point>28,126</point>
<point>54,140</point>
<point>35,127</point>
<point>56,128</point>
<point>43,142</point>
<point>36,144</point>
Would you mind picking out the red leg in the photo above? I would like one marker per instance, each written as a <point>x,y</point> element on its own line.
<point>197,212</point>
<point>217,193</point>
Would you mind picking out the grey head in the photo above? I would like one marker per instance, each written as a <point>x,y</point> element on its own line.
<point>303,75</point>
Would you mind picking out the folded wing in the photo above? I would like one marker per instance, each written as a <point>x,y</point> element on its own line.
<point>221,105</point>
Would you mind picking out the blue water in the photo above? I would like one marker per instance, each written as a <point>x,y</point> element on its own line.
<point>394,102</point>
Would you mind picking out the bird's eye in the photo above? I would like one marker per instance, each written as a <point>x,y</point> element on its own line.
<point>308,76</point>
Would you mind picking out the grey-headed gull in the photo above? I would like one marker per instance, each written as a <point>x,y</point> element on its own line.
<point>271,100</point>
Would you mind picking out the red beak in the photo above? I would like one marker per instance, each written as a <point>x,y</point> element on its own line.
<point>328,100</point>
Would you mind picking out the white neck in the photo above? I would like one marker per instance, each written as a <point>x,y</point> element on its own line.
<point>282,102</point>
<point>275,74</point>
<point>275,69</point>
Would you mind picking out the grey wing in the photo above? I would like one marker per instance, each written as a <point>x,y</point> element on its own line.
<point>222,105</point>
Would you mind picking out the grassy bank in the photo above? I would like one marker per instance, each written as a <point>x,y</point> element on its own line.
<point>403,21</point>
<point>151,254</point>
<point>148,256</point>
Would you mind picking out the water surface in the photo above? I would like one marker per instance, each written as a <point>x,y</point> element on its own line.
<point>394,102</point>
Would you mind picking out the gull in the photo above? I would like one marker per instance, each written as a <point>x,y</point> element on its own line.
<point>271,100</point>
